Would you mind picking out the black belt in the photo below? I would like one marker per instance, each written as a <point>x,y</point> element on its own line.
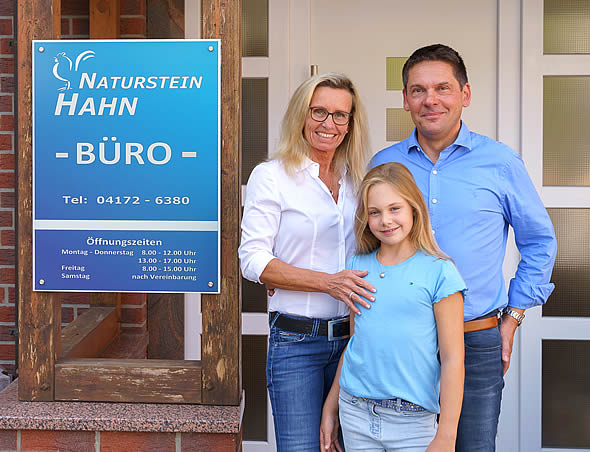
<point>333,329</point>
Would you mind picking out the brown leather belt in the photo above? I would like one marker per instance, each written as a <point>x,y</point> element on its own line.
<point>481,324</point>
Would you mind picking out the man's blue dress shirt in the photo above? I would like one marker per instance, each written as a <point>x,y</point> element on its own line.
<point>475,190</point>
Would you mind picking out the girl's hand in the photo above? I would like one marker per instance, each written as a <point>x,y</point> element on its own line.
<point>439,444</point>
<point>349,287</point>
<point>329,432</point>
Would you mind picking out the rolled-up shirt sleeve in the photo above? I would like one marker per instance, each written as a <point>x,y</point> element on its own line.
<point>534,236</point>
<point>260,222</point>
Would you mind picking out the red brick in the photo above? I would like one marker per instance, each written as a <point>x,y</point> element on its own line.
<point>7,313</point>
<point>7,7</point>
<point>5,26</point>
<point>62,441</point>
<point>5,47</point>
<point>133,298</point>
<point>219,442</point>
<point>7,161</point>
<point>8,440</point>
<point>7,276</point>
<point>5,333</point>
<point>7,238</point>
<point>73,7</point>
<point>6,219</point>
<point>133,7</point>
<point>7,65</point>
<point>9,369</point>
<point>7,258</point>
<point>67,315</point>
<point>6,121</point>
<point>12,295</point>
<point>137,441</point>
<point>133,315</point>
<point>65,27</point>
<point>7,180</point>
<point>75,298</point>
<point>5,139</point>
<point>80,26</point>
<point>7,198</point>
<point>7,351</point>
<point>132,26</point>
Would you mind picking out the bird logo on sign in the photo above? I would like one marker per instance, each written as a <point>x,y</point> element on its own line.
<point>64,68</point>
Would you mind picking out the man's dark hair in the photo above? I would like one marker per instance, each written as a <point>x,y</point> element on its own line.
<point>436,52</point>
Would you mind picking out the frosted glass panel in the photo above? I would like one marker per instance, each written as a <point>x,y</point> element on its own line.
<point>254,28</point>
<point>566,27</point>
<point>566,134</point>
<point>566,399</point>
<point>254,380</point>
<point>254,124</point>
<point>393,73</point>
<point>398,124</point>
<point>571,297</point>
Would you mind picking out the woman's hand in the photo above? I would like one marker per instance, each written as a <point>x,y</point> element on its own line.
<point>349,287</point>
<point>329,431</point>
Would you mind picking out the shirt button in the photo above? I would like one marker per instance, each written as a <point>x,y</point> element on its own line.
<point>434,201</point>
<point>434,171</point>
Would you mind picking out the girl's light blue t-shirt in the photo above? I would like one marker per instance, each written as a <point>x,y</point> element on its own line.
<point>393,352</point>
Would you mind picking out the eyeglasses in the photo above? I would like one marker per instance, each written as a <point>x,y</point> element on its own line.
<point>320,114</point>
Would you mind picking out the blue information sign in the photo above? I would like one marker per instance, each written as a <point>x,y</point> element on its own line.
<point>126,165</point>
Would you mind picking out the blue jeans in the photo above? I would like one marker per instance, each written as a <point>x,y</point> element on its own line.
<point>484,382</point>
<point>370,427</point>
<point>300,369</point>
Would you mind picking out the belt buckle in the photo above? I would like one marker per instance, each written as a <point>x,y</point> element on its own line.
<point>331,324</point>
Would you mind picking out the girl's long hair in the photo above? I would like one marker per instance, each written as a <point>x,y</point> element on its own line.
<point>352,153</point>
<point>400,178</point>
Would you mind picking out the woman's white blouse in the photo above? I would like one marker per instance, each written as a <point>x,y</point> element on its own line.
<point>295,219</point>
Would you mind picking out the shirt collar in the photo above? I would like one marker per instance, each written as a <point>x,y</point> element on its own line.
<point>463,139</point>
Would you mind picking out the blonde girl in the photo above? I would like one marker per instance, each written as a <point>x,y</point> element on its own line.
<point>390,384</point>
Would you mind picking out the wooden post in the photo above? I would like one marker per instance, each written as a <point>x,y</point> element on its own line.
<point>105,19</point>
<point>221,351</point>
<point>39,320</point>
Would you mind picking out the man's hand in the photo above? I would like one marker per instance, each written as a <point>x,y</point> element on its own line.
<point>507,330</point>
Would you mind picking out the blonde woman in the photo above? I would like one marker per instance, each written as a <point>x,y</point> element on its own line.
<point>387,387</point>
<point>297,234</point>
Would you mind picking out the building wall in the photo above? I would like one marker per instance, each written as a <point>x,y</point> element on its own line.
<point>74,25</point>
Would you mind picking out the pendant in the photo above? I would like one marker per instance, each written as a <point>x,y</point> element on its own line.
<point>382,275</point>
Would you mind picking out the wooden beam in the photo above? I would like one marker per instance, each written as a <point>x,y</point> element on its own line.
<point>221,350</point>
<point>105,22</point>
<point>91,333</point>
<point>39,317</point>
<point>130,380</point>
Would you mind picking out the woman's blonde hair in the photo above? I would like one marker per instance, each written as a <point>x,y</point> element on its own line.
<point>399,177</point>
<point>352,153</point>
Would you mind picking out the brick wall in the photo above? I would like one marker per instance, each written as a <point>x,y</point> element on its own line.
<point>75,25</point>
<point>7,187</point>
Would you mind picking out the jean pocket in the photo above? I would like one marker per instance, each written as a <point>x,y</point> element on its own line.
<point>281,337</point>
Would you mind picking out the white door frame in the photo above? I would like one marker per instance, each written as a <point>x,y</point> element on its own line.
<point>534,66</point>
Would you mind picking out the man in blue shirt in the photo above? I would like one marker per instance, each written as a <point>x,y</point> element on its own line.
<point>475,188</point>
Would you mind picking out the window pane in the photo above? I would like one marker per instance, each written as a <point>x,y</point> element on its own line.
<point>398,124</point>
<point>254,379</point>
<point>571,297</point>
<point>253,296</point>
<point>393,73</point>
<point>254,124</point>
<point>566,26</point>
<point>566,135</point>
<point>254,28</point>
<point>566,400</point>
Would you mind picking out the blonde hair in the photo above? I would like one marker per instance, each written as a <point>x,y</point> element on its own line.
<point>352,153</point>
<point>399,177</point>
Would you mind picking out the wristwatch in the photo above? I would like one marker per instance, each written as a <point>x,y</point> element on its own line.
<point>515,315</point>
